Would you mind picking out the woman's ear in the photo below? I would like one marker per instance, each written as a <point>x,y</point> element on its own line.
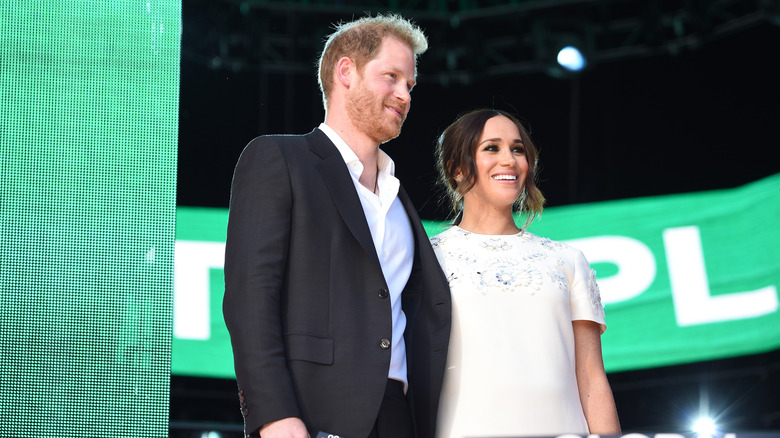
<point>458,175</point>
<point>345,71</point>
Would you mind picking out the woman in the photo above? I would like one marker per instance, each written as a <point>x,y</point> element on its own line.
<point>525,350</point>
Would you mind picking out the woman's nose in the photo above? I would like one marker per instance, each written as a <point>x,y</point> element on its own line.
<point>508,158</point>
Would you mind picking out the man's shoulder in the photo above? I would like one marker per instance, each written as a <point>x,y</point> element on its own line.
<point>287,140</point>
<point>315,139</point>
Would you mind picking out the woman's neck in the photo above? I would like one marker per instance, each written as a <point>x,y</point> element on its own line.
<point>489,222</point>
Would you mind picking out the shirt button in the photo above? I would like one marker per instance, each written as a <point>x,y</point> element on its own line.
<point>384,344</point>
<point>383,293</point>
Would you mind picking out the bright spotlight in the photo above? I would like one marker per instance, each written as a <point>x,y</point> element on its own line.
<point>705,427</point>
<point>571,59</point>
<point>211,434</point>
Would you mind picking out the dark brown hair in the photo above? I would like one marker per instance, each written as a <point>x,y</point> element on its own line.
<point>456,150</point>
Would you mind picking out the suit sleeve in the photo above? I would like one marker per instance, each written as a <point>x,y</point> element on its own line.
<point>255,261</point>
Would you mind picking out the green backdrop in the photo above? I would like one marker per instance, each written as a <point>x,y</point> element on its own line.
<point>88,138</point>
<point>684,278</point>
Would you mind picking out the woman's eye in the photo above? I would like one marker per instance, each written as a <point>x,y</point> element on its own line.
<point>519,150</point>
<point>491,148</point>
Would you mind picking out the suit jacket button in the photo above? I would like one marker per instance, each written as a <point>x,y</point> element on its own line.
<point>385,344</point>
<point>383,293</point>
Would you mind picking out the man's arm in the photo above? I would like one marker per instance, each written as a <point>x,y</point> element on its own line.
<point>255,261</point>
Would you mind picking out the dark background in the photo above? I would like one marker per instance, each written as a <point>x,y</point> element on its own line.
<point>679,96</point>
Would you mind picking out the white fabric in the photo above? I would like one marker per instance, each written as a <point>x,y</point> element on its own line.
<point>393,239</point>
<point>510,367</point>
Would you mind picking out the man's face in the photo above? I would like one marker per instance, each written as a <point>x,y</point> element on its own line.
<point>380,97</point>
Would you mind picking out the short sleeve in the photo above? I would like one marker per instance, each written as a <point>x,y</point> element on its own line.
<point>585,297</point>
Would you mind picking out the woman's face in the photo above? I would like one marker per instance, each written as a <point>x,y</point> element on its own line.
<point>501,166</point>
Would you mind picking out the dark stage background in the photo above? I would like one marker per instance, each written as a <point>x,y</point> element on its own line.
<point>682,96</point>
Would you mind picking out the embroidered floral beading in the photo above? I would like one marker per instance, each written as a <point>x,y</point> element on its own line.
<point>558,279</point>
<point>495,244</point>
<point>595,293</point>
<point>522,263</point>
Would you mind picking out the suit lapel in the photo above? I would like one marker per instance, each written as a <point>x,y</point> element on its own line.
<point>336,177</point>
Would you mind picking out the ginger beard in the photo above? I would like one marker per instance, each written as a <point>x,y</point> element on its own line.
<point>369,114</point>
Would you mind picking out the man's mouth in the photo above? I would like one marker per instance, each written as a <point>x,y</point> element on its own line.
<point>399,111</point>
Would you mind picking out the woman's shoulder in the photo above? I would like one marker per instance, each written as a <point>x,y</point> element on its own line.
<point>449,234</point>
<point>550,244</point>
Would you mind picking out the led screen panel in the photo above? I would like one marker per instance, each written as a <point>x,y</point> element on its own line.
<point>88,139</point>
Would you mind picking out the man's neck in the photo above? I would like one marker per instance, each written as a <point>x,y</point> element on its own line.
<point>366,149</point>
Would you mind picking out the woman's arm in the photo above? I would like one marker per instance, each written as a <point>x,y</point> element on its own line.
<point>595,392</point>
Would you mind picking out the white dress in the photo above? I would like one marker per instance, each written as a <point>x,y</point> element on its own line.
<point>510,367</point>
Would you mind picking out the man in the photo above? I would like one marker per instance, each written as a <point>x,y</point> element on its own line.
<point>338,312</point>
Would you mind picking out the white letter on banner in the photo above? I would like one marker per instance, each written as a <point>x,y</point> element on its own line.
<point>691,291</point>
<point>635,262</point>
<point>191,295</point>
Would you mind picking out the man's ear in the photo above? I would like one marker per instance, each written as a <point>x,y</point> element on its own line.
<point>345,71</point>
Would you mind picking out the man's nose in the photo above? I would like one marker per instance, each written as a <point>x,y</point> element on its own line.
<point>402,93</point>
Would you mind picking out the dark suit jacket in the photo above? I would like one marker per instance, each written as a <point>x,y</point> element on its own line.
<point>305,298</point>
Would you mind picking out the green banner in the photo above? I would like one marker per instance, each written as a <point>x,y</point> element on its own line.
<point>683,278</point>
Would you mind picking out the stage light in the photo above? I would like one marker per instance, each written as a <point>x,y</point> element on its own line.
<point>211,434</point>
<point>705,427</point>
<point>572,59</point>
<point>563,47</point>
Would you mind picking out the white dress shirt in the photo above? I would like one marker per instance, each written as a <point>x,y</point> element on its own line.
<point>392,235</point>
